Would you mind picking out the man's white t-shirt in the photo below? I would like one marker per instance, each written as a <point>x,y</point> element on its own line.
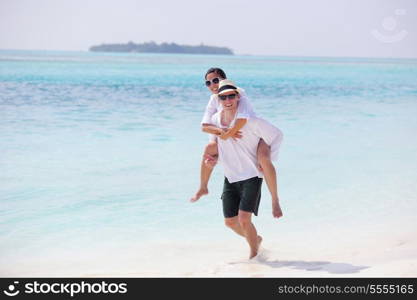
<point>244,111</point>
<point>239,156</point>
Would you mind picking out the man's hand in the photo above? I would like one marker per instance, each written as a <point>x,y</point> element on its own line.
<point>210,160</point>
<point>276,209</point>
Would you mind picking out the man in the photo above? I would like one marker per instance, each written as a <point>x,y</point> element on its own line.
<point>243,177</point>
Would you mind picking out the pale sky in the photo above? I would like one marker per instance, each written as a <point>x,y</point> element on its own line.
<point>367,28</point>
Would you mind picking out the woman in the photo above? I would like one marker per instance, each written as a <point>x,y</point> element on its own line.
<point>213,76</point>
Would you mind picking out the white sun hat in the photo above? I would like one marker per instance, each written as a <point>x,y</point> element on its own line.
<point>227,85</point>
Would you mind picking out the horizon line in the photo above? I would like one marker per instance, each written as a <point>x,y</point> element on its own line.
<point>234,54</point>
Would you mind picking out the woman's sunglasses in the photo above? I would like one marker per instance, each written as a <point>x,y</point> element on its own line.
<point>230,97</point>
<point>214,80</point>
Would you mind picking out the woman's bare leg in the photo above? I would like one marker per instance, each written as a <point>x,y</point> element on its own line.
<point>207,164</point>
<point>264,159</point>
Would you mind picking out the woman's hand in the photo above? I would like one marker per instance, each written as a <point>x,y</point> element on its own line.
<point>225,134</point>
<point>238,135</point>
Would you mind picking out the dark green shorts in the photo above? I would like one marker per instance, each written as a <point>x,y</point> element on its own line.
<point>242,195</point>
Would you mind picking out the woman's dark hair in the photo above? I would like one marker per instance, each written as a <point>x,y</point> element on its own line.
<point>218,71</point>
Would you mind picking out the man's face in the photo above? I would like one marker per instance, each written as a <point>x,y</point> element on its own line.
<point>229,100</point>
<point>213,86</point>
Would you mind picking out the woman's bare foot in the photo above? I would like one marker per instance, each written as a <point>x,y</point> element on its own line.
<point>254,253</point>
<point>201,192</point>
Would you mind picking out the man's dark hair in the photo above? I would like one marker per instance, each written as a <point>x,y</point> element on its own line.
<point>218,71</point>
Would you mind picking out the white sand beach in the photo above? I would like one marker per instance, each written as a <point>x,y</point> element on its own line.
<point>321,253</point>
<point>381,256</point>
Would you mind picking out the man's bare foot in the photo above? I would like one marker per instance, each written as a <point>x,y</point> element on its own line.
<point>254,253</point>
<point>201,192</point>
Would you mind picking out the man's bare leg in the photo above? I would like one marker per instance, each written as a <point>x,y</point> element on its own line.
<point>264,159</point>
<point>233,223</point>
<point>206,168</point>
<point>249,230</point>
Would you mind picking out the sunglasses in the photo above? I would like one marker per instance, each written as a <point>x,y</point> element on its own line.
<point>214,81</point>
<point>230,97</point>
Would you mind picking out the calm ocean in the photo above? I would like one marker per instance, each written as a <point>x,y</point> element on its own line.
<point>102,151</point>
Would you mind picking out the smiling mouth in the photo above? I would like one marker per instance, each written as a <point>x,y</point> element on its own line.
<point>229,105</point>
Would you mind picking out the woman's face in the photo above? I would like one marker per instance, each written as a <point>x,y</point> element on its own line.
<point>214,86</point>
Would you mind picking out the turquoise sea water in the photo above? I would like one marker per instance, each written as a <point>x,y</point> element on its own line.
<point>103,150</point>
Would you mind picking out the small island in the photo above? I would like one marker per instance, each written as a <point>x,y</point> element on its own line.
<point>152,47</point>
